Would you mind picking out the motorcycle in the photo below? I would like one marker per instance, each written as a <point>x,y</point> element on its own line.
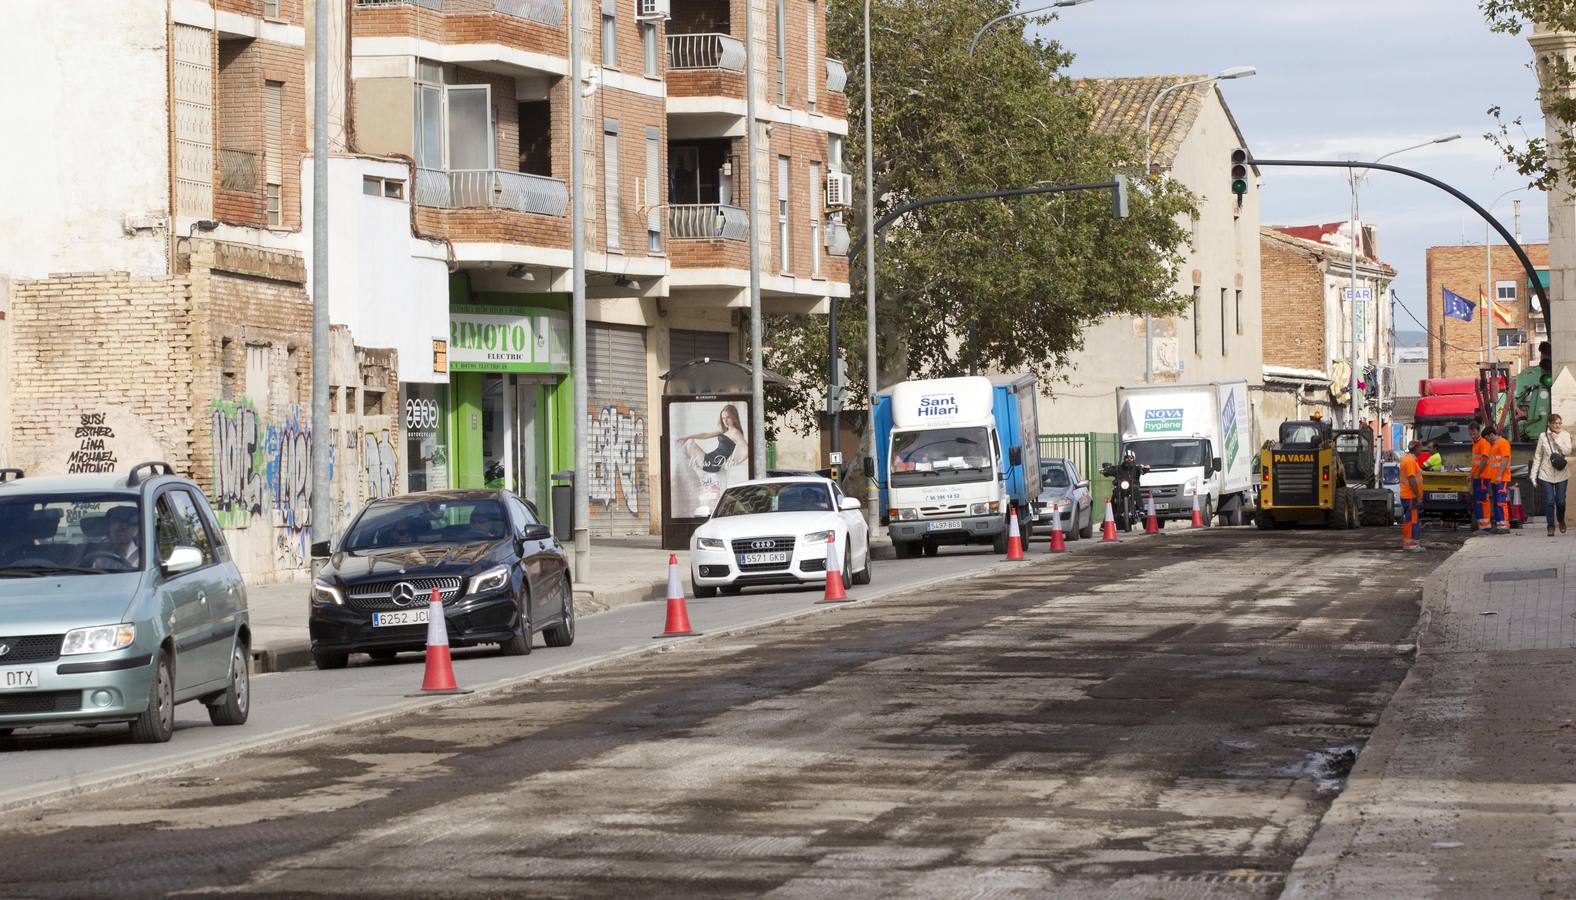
<point>1124,494</point>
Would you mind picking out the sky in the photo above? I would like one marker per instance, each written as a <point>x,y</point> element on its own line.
<point>1338,78</point>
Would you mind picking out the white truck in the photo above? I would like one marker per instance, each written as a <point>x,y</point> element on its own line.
<point>1196,440</point>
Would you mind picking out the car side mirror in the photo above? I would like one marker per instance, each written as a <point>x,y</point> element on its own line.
<point>320,549</point>
<point>870,467</point>
<point>1015,456</point>
<point>849,504</point>
<point>702,512</point>
<point>182,559</point>
<point>536,532</point>
<point>1214,464</point>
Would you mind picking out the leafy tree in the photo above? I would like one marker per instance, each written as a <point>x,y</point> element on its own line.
<point>1009,284</point>
<point>1530,154</point>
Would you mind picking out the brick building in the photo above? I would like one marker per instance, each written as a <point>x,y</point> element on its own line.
<point>1455,347</point>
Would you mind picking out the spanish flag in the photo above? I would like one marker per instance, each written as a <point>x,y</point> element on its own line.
<point>1500,315</point>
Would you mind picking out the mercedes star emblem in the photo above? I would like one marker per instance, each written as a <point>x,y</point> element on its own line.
<point>404,594</point>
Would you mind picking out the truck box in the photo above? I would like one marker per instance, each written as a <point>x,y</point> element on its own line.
<point>1181,431</point>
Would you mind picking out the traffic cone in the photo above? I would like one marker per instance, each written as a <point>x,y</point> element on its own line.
<point>439,677</point>
<point>834,573</point>
<point>1198,515</point>
<point>1108,530</point>
<point>1518,513</point>
<point>678,616</point>
<point>1014,536</point>
<point>1058,540</point>
<point>1151,523</point>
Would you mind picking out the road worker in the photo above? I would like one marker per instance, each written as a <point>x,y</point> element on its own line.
<point>1411,497</point>
<point>1482,494</point>
<point>1499,451</point>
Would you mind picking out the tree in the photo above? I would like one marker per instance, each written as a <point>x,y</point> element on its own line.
<point>1009,284</point>
<point>1529,154</point>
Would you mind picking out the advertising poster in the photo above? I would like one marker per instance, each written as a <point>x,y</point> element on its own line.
<point>708,450</point>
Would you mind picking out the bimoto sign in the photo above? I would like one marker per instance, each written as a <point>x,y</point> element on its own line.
<point>508,339</point>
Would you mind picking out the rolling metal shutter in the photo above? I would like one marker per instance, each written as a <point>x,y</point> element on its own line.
<point>688,346</point>
<point>619,487</point>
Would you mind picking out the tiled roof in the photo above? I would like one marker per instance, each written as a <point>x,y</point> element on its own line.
<point>1120,104</point>
<point>1322,250</point>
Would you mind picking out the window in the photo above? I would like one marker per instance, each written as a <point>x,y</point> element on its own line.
<point>648,47</point>
<point>1505,291</point>
<point>392,188</point>
<point>1512,337</point>
<point>1239,312</point>
<point>784,250</point>
<point>271,9</point>
<point>653,190</point>
<point>816,196</point>
<point>782,58</point>
<point>1198,326</point>
<point>1540,327</point>
<point>834,153</point>
<point>273,149</point>
<point>429,115</point>
<point>609,36</point>
<point>610,183</point>
<point>520,511</point>
<point>166,528</point>
<point>1222,321</point>
<point>192,524</point>
<point>811,68</point>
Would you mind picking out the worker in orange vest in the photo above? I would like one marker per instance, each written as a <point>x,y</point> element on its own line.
<point>1499,451</point>
<point>1411,497</point>
<point>1482,491</point>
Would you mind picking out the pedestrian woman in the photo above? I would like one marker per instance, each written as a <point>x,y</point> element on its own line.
<point>1549,470</point>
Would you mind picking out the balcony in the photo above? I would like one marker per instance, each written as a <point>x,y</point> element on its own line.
<point>545,12</point>
<point>836,76</point>
<point>491,189</point>
<point>705,65</point>
<point>708,241</point>
<point>837,238</point>
<point>834,103</point>
<point>705,51</point>
<point>707,222</point>
<point>238,170</point>
<point>506,36</point>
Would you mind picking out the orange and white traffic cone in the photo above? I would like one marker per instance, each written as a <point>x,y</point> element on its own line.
<point>439,677</point>
<point>1518,513</point>
<point>1058,540</point>
<point>835,592</point>
<point>1151,522</point>
<point>1108,530</point>
<point>678,616</point>
<point>1198,515</point>
<point>1014,536</point>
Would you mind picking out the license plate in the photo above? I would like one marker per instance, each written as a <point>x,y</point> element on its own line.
<point>1445,496</point>
<point>18,679</point>
<point>401,617</point>
<point>944,525</point>
<point>761,559</point>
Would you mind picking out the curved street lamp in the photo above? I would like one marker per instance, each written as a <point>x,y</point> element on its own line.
<point>1013,15</point>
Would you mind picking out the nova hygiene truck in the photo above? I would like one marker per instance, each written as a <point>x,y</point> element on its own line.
<point>953,455</point>
<point>1195,439</point>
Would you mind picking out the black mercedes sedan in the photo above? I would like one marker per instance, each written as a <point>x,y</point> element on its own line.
<point>499,571</point>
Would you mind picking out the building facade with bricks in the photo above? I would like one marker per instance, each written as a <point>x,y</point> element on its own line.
<point>1455,346</point>
<point>1308,306</point>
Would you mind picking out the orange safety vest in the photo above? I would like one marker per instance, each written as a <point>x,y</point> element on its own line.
<point>1480,448</point>
<point>1410,470</point>
<point>1501,453</point>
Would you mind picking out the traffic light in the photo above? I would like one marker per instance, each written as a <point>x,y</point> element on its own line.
<point>1119,197</point>
<point>1239,172</point>
<point>1546,363</point>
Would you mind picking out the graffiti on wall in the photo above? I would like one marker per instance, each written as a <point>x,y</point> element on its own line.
<point>288,448</point>
<point>93,453</point>
<point>618,447</point>
<point>379,464</point>
<point>237,463</point>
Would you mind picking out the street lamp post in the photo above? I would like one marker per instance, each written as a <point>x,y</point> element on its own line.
<point>1223,75</point>
<point>1013,15</point>
<point>1488,276</point>
<point>872,496</point>
<point>1353,178</point>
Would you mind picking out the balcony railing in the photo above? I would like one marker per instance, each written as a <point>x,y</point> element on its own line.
<point>836,76</point>
<point>837,238</point>
<point>706,222</point>
<point>705,51</point>
<point>238,170</point>
<point>546,12</point>
<point>491,189</point>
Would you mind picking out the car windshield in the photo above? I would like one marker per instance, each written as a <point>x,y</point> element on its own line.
<point>753,499</point>
<point>940,456</point>
<point>74,534</point>
<point>1444,432</point>
<point>404,523</point>
<point>1055,476</point>
<point>1177,454</point>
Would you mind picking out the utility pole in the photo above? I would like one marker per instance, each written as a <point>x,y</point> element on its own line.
<point>322,528</point>
<point>580,371</point>
<point>872,495</point>
<point>757,363</point>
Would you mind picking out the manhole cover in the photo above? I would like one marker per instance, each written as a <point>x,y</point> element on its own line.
<point>1529,575</point>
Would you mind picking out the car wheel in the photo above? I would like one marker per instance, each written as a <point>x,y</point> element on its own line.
<point>157,722</point>
<point>705,593</point>
<point>902,549</point>
<point>326,659</point>
<point>1088,529</point>
<point>383,655</point>
<point>236,702</point>
<point>848,564</point>
<point>863,575</point>
<point>563,634</point>
<point>520,644</point>
<point>933,549</point>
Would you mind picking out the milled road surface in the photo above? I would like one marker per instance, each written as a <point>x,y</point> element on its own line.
<point>1162,718</point>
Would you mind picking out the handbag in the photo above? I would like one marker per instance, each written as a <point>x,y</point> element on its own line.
<point>1556,458</point>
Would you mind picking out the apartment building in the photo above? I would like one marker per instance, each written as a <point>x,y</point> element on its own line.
<point>184,249</point>
<point>1473,271</point>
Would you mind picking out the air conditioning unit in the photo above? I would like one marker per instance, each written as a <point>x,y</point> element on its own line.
<point>839,189</point>
<point>653,9</point>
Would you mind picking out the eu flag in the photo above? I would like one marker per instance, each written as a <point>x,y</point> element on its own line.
<point>1457,306</point>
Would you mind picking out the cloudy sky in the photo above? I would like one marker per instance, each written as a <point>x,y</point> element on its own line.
<point>1336,78</point>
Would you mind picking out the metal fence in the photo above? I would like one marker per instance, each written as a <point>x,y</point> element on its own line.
<point>238,170</point>
<point>706,222</point>
<point>491,189</point>
<point>1088,451</point>
<point>705,51</point>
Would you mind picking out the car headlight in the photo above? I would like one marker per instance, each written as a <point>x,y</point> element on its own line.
<point>490,580</point>
<point>99,639</point>
<point>325,594</point>
<point>711,544</point>
<point>984,509</point>
<point>818,537</point>
<point>906,515</point>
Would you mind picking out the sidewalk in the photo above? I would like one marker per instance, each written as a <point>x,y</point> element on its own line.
<point>1467,787</point>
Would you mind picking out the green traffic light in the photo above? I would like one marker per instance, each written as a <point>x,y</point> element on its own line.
<point>1547,379</point>
<point>1239,187</point>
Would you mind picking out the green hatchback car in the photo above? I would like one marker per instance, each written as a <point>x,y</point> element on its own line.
<point>118,600</point>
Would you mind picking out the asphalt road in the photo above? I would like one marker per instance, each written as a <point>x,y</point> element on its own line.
<point>1161,718</point>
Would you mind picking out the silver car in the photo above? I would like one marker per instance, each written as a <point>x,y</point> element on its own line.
<point>1062,489</point>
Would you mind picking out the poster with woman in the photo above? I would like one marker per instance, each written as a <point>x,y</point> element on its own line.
<point>708,450</point>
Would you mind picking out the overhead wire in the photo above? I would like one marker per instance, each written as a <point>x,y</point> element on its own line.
<point>1431,335</point>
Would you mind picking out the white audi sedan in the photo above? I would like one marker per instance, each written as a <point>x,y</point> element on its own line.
<point>773,531</point>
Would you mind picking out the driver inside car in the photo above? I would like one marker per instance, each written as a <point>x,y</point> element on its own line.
<point>121,536</point>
